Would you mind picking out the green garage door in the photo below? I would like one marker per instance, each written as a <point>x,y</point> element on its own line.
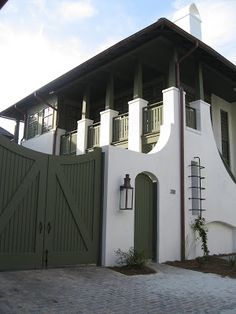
<point>49,208</point>
<point>145,216</point>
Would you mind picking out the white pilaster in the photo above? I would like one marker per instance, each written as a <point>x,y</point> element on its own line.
<point>82,135</point>
<point>135,123</point>
<point>106,126</point>
<point>202,114</point>
<point>170,105</point>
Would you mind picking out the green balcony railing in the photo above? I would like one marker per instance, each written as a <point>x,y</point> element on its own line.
<point>152,118</point>
<point>120,128</point>
<point>191,118</point>
<point>94,135</point>
<point>68,143</point>
<point>152,121</point>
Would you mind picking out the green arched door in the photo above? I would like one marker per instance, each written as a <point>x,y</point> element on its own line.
<point>145,216</point>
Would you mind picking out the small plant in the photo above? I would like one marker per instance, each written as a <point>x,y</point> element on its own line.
<point>132,258</point>
<point>201,261</point>
<point>232,263</point>
<point>199,226</point>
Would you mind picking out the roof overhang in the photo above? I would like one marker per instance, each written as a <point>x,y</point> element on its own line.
<point>162,27</point>
<point>2,3</point>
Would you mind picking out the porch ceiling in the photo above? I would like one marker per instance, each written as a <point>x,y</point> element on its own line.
<point>153,60</point>
<point>216,83</point>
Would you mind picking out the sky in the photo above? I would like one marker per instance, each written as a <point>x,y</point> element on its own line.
<point>43,39</point>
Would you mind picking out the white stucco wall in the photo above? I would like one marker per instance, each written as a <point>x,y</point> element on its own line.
<point>118,226</point>
<point>221,237</point>
<point>41,143</point>
<point>163,162</point>
<point>220,193</point>
<point>44,142</point>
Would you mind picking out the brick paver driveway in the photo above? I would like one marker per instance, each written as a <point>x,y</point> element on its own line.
<point>99,290</point>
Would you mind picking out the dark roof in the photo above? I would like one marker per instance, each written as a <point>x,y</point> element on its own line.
<point>6,133</point>
<point>2,2</point>
<point>162,27</point>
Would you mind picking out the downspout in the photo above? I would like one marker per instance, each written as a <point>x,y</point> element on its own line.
<point>39,98</point>
<point>182,151</point>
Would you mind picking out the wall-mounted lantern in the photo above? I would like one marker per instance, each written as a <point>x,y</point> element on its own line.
<point>126,194</point>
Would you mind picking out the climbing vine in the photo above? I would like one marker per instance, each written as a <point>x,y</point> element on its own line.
<point>199,226</point>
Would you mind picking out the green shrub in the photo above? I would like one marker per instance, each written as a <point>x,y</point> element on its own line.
<point>232,263</point>
<point>132,258</point>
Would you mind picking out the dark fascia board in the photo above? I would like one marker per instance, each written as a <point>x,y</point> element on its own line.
<point>2,3</point>
<point>124,46</point>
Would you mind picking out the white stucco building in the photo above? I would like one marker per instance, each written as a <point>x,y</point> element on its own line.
<point>162,106</point>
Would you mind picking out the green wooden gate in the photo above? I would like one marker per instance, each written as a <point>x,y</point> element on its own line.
<point>49,208</point>
<point>145,216</point>
<point>73,209</point>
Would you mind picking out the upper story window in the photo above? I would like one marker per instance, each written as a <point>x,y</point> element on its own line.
<point>33,125</point>
<point>225,136</point>
<point>47,119</point>
<point>40,122</point>
<point>191,117</point>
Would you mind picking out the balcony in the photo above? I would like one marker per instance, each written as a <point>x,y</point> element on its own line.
<point>120,130</point>
<point>93,136</point>
<point>152,120</point>
<point>191,120</point>
<point>68,143</point>
<point>144,130</point>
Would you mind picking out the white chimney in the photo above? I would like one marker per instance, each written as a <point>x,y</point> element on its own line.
<point>189,20</point>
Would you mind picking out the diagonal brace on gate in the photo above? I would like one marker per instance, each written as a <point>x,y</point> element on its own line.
<point>73,207</point>
<point>19,195</point>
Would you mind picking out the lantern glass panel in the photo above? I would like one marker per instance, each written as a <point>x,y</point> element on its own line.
<point>129,197</point>
<point>122,198</point>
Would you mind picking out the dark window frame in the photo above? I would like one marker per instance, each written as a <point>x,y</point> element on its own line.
<point>47,120</point>
<point>225,141</point>
<point>33,125</point>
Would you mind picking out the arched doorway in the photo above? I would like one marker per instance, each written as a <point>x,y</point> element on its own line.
<point>145,227</point>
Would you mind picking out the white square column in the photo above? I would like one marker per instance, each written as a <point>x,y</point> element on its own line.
<point>106,126</point>
<point>82,135</point>
<point>171,105</point>
<point>170,119</point>
<point>136,123</point>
